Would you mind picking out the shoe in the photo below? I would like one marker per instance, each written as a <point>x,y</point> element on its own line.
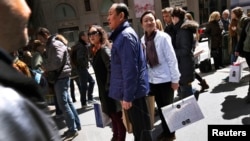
<point>79,128</point>
<point>203,85</point>
<point>71,134</point>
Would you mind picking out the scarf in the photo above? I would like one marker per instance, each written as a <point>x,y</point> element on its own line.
<point>151,53</point>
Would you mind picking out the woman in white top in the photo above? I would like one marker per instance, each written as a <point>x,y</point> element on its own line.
<point>162,67</point>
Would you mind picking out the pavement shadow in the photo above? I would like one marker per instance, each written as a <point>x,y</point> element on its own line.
<point>82,110</point>
<point>229,86</point>
<point>234,107</point>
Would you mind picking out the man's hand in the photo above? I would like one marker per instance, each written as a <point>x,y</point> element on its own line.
<point>126,105</point>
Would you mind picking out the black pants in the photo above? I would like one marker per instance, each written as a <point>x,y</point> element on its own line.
<point>72,87</point>
<point>164,95</point>
<point>217,56</point>
<point>140,120</point>
<point>198,77</point>
<point>87,85</point>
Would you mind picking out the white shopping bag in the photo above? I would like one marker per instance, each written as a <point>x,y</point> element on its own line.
<point>101,118</point>
<point>182,113</point>
<point>235,73</point>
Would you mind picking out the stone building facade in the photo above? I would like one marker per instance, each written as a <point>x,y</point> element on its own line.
<point>68,17</point>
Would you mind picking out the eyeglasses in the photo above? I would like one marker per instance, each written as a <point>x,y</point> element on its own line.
<point>93,33</point>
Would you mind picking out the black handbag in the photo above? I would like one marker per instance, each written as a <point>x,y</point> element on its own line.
<point>205,66</point>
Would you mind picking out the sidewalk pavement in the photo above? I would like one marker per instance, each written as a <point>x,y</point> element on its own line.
<point>222,103</point>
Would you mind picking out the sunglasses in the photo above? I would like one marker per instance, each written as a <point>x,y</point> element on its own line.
<point>93,33</point>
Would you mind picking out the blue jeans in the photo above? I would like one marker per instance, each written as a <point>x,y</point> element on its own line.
<point>61,88</point>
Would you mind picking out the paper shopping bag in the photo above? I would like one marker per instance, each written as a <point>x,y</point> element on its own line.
<point>182,113</point>
<point>235,73</point>
<point>126,121</point>
<point>101,118</point>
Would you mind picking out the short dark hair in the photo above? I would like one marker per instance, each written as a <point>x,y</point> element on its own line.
<point>147,12</point>
<point>122,7</point>
<point>81,33</point>
<point>179,12</point>
<point>43,31</point>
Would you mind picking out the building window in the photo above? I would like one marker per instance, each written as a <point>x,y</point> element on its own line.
<point>65,11</point>
<point>87,5</point>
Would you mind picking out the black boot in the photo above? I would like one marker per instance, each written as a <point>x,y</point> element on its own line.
<point>203,85</point>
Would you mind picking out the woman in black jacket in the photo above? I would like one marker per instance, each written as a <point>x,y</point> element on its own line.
<point>214,32</point>
<point>101,64</point>
<point>183,44</point>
